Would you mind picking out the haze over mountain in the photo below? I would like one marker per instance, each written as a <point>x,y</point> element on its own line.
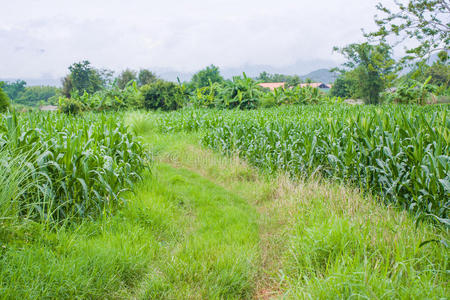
<point>317,70</point>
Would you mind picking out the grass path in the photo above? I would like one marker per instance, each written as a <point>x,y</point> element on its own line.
<point>216,251</point>
<point>322,240</point>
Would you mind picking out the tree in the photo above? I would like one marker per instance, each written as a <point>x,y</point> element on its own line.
<point>371,66</point>
<point>146,77</point>
<point>264,77</point>
<point>125,77</point>
<point>13,89</point>
<point>34,95</point>
<point>342,86</point>
<point>203,77</point>
<point>4,100</point>
<point>424,21</point>
<point>291,80</point>
<point>439,72</point>
<point>85,78</point>
<point>67,86</point>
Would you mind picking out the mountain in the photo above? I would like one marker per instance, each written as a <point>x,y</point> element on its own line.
<point>321,75</point>
<point>251,70</point>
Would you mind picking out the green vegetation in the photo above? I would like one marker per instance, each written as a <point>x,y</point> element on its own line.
<point>35,95</point>
<point>222,189</point>
<point>32,96</point>
<point>4,100</point>
<point>128,76</point>
<point>162,95</point>
<point>369,147</point>
<point>78,167</point>
<point>423,21</point>
<point>370,67</point>
<point>291,80</point>
<point>14,89</point>
<point>202,225</point>
<point>85,78</point>
<point>205,77</point>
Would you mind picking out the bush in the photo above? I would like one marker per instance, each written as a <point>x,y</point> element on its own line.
<point>411,92</point>
<point>70,106</point>
<point>162,95</point>
<point>241,92</point>
<point>34,95</point>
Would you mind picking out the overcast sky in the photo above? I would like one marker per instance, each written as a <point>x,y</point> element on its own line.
<point>43,37</point>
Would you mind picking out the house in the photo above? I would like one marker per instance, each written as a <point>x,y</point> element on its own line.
<point>318,85</point>
<point>272,85</point>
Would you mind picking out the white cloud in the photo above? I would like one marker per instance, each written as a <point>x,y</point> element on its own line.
<point>44,36</point>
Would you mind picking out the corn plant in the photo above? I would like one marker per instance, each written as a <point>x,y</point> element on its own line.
<point>79,167</point>
<point>398,152</point>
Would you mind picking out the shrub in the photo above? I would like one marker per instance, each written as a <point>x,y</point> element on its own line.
<point>162,95</point>
<point>70,106</point>
<point>241,92</point>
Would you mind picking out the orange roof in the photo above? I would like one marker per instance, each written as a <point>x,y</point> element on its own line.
<point>272,85</point>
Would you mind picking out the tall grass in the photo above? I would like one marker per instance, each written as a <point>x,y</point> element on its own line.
<point>13,175</point>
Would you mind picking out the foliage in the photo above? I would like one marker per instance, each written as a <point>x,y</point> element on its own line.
<point>142,78</point>
<point>146,77</point>
<point>296,95</point>
<point>70,106</point>
<point>162,95</point>
<point>439,72</point>
<point>4,100</point>
<point>291,80</point>
<point>79,166</point>
<point>110,99</point>
<point>84,78</point>
<point>412,92</point>
<point>342,86</point>
<point>206,97</point>
<point>203,77</point>
<point>241,92</point>
<point>125,78</point>
<point>400,153</point>
<point>423,21</point>
<point>35,95</point>
<point>67,86</point>
<point>372,66</point>
<point>19,93</point>
<point>14,89</point>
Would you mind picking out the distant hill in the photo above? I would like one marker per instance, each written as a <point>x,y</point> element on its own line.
<point>321,75</point>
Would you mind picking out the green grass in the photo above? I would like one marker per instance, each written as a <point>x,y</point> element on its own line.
<point>321,240</point>
<point>181,236</point>
<point>206,226</point>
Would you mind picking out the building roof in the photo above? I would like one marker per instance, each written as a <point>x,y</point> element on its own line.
<point>272,85</point>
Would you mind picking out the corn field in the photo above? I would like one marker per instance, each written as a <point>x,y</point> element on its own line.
<point>75,166</point>
<point>400,153</point>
